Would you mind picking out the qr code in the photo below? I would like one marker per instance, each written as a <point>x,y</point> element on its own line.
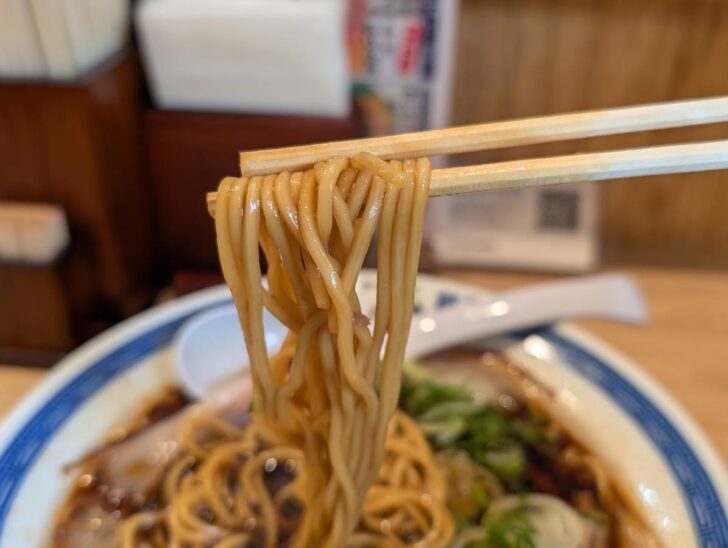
<point>558,210</point>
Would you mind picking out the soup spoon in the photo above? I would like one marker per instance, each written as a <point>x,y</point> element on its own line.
<point>209,348</point>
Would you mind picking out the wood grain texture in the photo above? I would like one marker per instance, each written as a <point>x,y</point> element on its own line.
<point>522,58</point>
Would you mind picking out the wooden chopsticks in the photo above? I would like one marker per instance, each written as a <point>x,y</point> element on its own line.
<point>597,166</point>
<point>527,131</point>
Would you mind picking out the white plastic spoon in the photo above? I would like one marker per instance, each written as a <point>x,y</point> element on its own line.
<point>603,296</point>
<point>210,347</point>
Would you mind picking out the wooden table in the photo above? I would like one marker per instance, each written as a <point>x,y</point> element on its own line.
<point>684,346</point>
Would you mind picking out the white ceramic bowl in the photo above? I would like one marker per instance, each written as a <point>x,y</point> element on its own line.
<point>662,458</point>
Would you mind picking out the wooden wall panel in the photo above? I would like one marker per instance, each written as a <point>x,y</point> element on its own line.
<point>190,152</point>
<point>35,308</point>
<point>528,57</point>
<point>79,145</point>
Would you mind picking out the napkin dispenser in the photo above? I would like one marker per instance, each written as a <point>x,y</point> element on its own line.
<point>268,56</point>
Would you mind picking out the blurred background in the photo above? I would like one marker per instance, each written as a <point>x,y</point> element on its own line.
<point>117,117</point>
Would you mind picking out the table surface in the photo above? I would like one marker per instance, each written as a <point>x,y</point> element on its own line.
<point>684,345</point>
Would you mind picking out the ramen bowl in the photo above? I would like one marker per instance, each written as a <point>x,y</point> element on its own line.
<point>663,461</point>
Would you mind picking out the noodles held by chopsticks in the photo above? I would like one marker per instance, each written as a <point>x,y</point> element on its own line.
<point>319,464</point>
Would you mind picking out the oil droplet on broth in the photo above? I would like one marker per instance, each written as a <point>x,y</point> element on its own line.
<point>84,480</point>
<point>270,465</point>
<point>507,402</point>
